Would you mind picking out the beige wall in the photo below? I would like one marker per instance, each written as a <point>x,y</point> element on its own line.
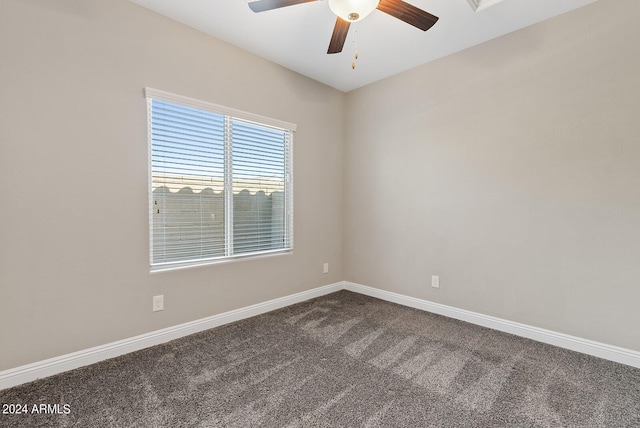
<point>512,170</point>
<point>73,174</point>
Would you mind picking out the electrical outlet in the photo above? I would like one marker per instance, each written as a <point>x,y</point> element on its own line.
<point>158,303</point>
<point>435,281</point>
<point>325,268</point>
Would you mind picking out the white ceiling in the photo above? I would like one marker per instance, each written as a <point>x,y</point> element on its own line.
<point>297,37</point>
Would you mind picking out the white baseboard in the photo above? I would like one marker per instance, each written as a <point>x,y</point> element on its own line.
<point>51,366</point>
<point>585,346</point>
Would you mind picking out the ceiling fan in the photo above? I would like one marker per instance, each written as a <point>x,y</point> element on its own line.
<point>349,11</point>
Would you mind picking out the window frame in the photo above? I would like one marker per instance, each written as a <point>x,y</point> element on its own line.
<point>230,114</point>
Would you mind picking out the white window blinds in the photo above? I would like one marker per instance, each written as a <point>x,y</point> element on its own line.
<point>220,182</point>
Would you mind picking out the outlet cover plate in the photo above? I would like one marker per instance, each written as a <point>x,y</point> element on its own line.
<point>158,303</point>
<point>435,281</point>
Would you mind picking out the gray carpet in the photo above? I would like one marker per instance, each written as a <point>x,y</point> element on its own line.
<point>340,360</point>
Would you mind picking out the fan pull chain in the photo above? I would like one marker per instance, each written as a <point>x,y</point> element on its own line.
<point>355,55</point>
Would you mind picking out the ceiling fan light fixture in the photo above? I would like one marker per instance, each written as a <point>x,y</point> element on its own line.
<point>353,10</point>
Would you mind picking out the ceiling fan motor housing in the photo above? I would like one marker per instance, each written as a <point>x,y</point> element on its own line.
<point>353,10</point>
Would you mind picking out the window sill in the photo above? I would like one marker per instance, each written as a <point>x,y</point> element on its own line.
<point>172,266</point>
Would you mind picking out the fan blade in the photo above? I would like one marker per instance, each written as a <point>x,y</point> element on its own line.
<point>339,36</point>
<point>262,5</point>
<point>408,13</point>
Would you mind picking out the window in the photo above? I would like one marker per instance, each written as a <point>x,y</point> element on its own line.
<point>220,182</point>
